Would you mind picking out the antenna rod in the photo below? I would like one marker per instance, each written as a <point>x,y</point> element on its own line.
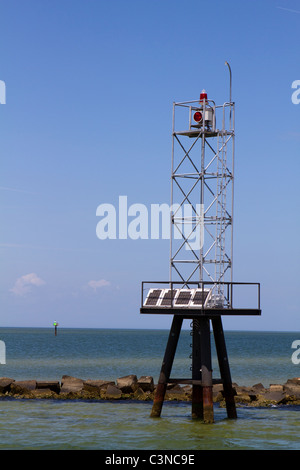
<point>226,63</point>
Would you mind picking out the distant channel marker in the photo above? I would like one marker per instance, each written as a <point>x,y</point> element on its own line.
<point>55,324</point>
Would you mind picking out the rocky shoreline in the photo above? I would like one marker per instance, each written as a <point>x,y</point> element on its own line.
<point>132,388</point>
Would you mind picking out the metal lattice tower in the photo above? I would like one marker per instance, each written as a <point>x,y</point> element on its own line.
<point>202,192</point>
<point>200,287</point>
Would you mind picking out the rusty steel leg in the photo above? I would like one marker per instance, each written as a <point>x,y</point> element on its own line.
<point>166,366</point>
<point>207,386</point>
<point>197,395</point>
<point>224,367</point>
<point>197,402</point>
<point>158,400</point>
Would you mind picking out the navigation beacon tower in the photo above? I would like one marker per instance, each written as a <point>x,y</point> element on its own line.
<point>201,286</point>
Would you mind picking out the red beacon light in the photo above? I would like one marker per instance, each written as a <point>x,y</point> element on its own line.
<point>204,114</point>
<point>203,96</point>
<point>203,99</point>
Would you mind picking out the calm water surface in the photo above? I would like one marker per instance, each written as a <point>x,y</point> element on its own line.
<point>49,424</point>
<point>109,354</point>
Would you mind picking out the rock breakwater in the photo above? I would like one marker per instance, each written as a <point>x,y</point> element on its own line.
<point>130,387</point>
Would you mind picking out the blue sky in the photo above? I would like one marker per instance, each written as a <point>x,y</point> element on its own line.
<point>88,115</point>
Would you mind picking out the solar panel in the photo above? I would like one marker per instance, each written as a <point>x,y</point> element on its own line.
<point>200,297</point>
<point>167,297</point>
<point>197,298</point>
<point>153,297</point>
<point>183,298</point>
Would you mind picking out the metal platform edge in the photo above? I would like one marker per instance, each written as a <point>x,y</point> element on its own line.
<point>200,132</point>
<point>192,313</point>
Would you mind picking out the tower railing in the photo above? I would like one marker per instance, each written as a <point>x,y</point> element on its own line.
<point>177,297</point>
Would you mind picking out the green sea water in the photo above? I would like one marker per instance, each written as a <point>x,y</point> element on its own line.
<point>50,424</point>
<point>98,353</point>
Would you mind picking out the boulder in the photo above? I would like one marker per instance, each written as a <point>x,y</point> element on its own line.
<point>146,383</point>
<point>176,393</point>
<point>242,398</point>
<point>43,393</point>
<point>187,389</point>
<point>275,393</point>
<point>113,393</point>
<point>139,394</point>
<point>294,381</point>
<point>276,388</point>
<point>127,384</point>
<point>256,392</point>
<point>173,386</point>
<point>71,384</point>
<point>5,383</point>
<point>22,386</point>
<point>292,388</point>
<point>48,385</point>
<point>242,395</point>
<point>217,392</point>
<point>241,389</point>
<point>259,388</point>
<point>96,386</point>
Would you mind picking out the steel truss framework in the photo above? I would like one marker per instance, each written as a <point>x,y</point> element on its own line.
<point>202,194</point>
<point>200,286</point>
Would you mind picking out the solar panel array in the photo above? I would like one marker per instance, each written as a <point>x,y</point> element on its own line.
<point>177,298</point>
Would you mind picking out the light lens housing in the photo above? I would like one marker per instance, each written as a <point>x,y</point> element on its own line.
<point>197,116</point>
<point>203,96</point>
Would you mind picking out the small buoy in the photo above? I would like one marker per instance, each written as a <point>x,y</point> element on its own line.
<point>55,324</point>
